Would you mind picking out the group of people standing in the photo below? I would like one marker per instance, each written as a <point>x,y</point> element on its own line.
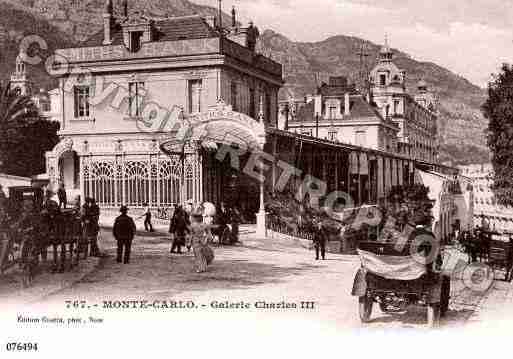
<point>194,228</point>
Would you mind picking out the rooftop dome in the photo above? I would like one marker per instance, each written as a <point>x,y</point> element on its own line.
<point>422,85</point>
<point>385,49</point>
<point>385,53</point>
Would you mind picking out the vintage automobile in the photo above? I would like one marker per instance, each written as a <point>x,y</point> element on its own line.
<point>401,273</point>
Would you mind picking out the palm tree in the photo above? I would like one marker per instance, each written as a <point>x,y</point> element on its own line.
<point>24,136</point>
<point>16,109</point>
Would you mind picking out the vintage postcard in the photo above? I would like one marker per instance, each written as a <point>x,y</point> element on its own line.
<point>197,176</point>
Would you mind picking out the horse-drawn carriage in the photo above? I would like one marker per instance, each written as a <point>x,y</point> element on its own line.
<point>498,253</point>
<point>19,230</point>
<point>402,273</point>
<point>492,248</point>
<point>63,233</point>
<point>30,227</point>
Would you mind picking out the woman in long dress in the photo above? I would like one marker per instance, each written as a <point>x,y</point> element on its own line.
<point>203,254</point>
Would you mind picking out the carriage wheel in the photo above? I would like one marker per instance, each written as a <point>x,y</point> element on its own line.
<point>445,296</point>
<point>365,308</point>
<point>433,315</point>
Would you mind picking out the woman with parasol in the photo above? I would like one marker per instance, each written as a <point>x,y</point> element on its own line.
<point>199,234</point>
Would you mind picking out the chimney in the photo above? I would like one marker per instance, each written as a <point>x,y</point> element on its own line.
<point>125,8</point>
<point>234,18</point>
<point>347,104</point>
<point>107,23</point>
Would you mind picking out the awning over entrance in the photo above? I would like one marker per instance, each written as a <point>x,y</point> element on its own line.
<point>217,126</point>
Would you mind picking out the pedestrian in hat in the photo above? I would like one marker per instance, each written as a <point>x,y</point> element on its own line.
<point>61,195</point>
<point>320,238</point>
<point>147,218</point>
<point>179,227</point>
<point>124,232</point>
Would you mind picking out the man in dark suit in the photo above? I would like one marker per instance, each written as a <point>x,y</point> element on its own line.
<point>61,194</point>
<point>124,232</point>
<point>320,238</point>
<point>179,226</point>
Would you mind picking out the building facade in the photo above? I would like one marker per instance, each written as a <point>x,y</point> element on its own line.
<point>498,217</point>
<point>127,84</point>
<point>415,115</point>
<point>339,113</point>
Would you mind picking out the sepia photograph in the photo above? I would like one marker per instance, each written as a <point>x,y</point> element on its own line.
<point>256,178</point>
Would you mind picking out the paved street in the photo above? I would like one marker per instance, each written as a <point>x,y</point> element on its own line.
<point>260,270</point>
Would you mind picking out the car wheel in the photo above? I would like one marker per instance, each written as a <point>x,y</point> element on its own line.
<point>365,308</point>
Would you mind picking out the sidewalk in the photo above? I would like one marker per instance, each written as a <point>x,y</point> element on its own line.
<point>45,284</point>
<point>496,305</point>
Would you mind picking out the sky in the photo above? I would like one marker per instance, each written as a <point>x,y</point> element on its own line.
<point>469,37</point>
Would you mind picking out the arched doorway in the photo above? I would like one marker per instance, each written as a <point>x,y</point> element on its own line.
<point>217,136</point>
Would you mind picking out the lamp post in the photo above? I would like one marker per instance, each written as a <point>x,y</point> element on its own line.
<point>261,215</point>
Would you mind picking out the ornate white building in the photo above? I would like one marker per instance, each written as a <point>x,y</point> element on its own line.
<point>122,89</point>
<point>499,218</point>
<point>337,112</point>
<point>415,116</point>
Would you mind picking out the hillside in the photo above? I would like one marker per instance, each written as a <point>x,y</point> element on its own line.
<point>461,122</point>
<point>15,24</point>
<point>65,22</point>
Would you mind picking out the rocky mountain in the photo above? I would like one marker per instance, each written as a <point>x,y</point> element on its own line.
<point>461,123</point>
<point>18,22</point>
<point>66,22</point>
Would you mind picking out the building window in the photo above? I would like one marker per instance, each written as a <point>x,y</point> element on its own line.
<point>135,98</point>
<point>233,91</point>
<point>361,138</point>
<point>382,80</point>
<point>332,135</point>
<point>332,112</point>
<point>136,40</point>
<point>252,108</point>
<point>81,94</point>
<point>396,107</point>
<point>195,87</point>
